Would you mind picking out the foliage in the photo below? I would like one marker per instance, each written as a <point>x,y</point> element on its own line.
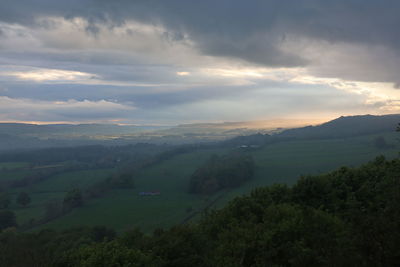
<point>53,209</point>
<point>7,219</point>
<point>5,200</point>
<point>349,217</point>
<point>23,199</point>
<point>72,199</point>
<point>123,180</point>
<point>45,248</point>
<point>222,172</point>
<point>380,143</point>
<point>107,254</point>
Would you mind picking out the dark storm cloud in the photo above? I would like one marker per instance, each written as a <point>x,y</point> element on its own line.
<point>249,30</point>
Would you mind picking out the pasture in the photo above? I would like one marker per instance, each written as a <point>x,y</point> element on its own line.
<point>52,189</point>
<point>275,163</point>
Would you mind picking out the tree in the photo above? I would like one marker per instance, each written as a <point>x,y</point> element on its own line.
<point>23,199</point>
<point>221,172</point>
<point>123,180</point>
<point>107,254</point>
<point>72,199</point>
<point>4,200</point>
<point>7,219</point>
<point>380,143</point>
<point>53,209</point>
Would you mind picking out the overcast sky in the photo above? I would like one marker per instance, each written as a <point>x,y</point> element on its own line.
<point>171,62</point>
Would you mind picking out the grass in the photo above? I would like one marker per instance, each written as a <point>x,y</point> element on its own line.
<point>70,180</point>
<point>275,163</point>
<point>54,189</point>
<point>36,209</point>
<point>14,174</point>
<point>124,209</point>
<point>286,162</point>
<point>13,165</point>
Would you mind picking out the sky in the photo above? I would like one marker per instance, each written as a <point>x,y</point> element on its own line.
<point>157,62</point>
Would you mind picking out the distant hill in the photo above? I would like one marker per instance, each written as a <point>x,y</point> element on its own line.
<point>341,127</point>
<point>346,127</point>
<point>30,136</point>
<point>81,129</point>
<point>15,136</point>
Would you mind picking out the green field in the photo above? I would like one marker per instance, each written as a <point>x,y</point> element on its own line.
<point>14,174</point>
<point>123,209</point>
<point>4,166</point>
<point>53,189</point>
<point>286,162</point>
<point>276,163</point>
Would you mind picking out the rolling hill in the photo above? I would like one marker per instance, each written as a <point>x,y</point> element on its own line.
<point>279,158</point>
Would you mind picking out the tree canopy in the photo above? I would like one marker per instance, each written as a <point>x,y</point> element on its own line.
<point>23,199</point>
<point>221,172</point>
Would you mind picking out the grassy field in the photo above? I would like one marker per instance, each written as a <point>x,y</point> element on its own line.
<point>70,180</point>
<point>124,209</point>
<point>54,189</point>
<point>275,163</point>
<point>13,165</point>
<point>14,174</point>
<point>286,162</point>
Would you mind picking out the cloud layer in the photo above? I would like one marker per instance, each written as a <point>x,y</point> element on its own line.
<point>184,61</point>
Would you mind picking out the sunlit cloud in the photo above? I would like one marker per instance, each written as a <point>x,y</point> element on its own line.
<point>183,73</point>
<point>375,91</point>
<point>45,75</point>
<point>234,73</point>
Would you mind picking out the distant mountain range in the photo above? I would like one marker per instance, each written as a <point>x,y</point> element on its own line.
<point>28,136</point>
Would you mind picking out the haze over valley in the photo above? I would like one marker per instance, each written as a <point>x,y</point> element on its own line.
<point>199,133</point>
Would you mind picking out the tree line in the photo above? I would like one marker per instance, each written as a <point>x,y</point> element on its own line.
<point>222,172</point>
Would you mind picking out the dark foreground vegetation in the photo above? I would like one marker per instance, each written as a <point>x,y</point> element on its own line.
<point>349,217</point>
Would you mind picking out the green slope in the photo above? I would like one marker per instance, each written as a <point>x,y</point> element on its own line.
<point>286,162</point>
<point>276,163</point>
<point>53,189</point>
<point>123,209</point>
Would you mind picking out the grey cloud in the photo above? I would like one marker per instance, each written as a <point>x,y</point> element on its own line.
<point>350,39</point>
<point>142,97</point>
<point>249,30</point>
<point>351,62</point>
<point>22,109</point>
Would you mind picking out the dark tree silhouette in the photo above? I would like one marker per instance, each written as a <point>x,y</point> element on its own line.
<point>5,200</point>
<point>23,199</point>
<point>7,219</point>
<point>72,199</point>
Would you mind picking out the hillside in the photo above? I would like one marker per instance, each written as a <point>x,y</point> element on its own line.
<point>122,209</point>
<point>31,136</point>
<point>342,127</point>
<point>349,217</point>
<point>346,127</point>
<point>48,175</point>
